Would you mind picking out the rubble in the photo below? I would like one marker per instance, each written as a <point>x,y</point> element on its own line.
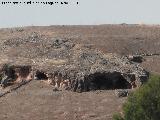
<point>85,67</point>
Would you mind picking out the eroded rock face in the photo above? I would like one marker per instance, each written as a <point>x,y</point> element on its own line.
<point>11,74</point>
<point>85,67</point>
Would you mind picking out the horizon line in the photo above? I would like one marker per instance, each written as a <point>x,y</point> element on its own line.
<point>23,26</point>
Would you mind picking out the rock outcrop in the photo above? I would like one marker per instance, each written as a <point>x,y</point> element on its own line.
<point>86,67</point>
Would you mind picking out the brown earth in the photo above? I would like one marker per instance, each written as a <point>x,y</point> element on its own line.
<point>37,100</point>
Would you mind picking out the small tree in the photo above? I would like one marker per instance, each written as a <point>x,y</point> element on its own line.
<point>144,104</point>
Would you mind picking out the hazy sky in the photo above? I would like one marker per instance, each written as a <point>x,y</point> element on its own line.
<point>86,12</point>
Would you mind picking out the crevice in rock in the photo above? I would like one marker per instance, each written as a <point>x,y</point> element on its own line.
<point>40,75</point>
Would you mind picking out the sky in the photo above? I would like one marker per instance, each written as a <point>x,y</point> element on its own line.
<point>86,12</point>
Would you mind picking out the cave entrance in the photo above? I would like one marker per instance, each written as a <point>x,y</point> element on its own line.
<point>25,71</point>
<point>40,76</point>
<point>109,81</point>
<point>22,71</point>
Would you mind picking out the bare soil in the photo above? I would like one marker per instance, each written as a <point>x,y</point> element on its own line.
<point>37,100</point>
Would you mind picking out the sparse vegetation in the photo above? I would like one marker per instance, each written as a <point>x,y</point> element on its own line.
<point>144,104</point>
<point>35,46</point>
<point>4,67</point>
<point>117,117</point>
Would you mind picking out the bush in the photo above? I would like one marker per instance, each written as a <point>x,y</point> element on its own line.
<point>144,104</point>
<point>117,117</point>
<point>3,71</point>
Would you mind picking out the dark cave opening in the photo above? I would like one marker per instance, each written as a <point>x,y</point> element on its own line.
<point>24,71</point>
<point>107,81</point>
<point>40,76</point>
<point>11,73</point>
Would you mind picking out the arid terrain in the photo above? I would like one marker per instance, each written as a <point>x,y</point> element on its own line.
<point>37,100</point>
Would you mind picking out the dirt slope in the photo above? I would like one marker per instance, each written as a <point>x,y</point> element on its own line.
<point>38,101</point>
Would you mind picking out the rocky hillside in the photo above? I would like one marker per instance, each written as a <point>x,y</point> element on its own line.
<point>87,67</point>
<point>91,57</point>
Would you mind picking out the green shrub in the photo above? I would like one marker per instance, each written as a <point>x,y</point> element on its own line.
<point>144,104</point>
<point>117,117</point>
<point>5,67</point>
